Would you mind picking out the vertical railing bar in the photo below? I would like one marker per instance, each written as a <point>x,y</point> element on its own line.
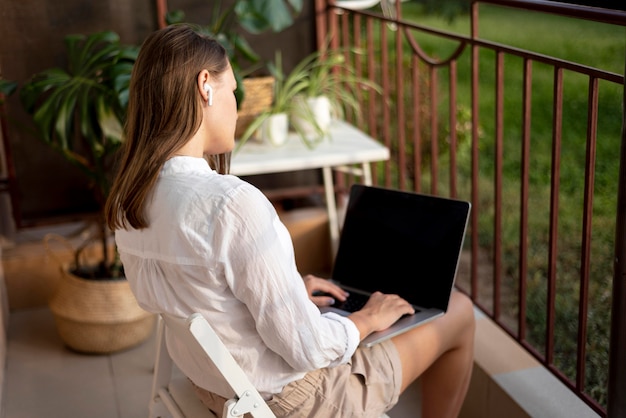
<point>161,6</point>
<point>342,41</point>
<point>350,39</point>
<point>417,118</point>
<point>344,44</point>
<point>401,117</point>
<point>524,194</point>
<point>321,24</point>
<point>333,25</point>
<point>358,63</point>
<point>475,144</point>
<point>327,28</point>
<point>557,130</point>
<point>372,123</point>
<point>497,219</point>
<point>371,69</point>
<point>345,29</point>
<point>434,130</point>
<point>617,361</point>
<point>453,134</point>
<point>386,99</point>
<point>346,18</point>
<point>585,256</point>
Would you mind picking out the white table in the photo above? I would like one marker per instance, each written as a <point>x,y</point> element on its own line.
<point>346,149</point>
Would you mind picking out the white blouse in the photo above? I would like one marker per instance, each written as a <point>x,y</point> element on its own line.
<point>215,245</point>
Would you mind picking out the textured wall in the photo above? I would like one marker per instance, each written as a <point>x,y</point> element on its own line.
<point>31,39</point>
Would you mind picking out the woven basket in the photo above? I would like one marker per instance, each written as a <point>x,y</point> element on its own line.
<point>96,316</point>
<point>259,96</point>
<point>99,316</point>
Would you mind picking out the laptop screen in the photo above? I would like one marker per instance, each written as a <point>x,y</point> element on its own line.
<point>403,243</point>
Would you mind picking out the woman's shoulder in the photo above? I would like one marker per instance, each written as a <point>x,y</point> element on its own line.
<point>242,191</point>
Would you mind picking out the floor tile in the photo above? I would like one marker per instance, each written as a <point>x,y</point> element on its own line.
<point>45,379</point>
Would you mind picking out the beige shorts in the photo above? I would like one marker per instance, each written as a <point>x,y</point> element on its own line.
<point>365,387</point>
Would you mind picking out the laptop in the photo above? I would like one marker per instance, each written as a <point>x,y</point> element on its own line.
<point>403,243</point>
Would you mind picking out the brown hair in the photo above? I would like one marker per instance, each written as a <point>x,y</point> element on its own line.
<point>163,114</point>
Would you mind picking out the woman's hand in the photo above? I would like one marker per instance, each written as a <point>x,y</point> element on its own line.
<point>323,292</point>
<point>380,311</point>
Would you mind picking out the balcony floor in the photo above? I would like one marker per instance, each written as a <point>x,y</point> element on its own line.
<point>45,379</point>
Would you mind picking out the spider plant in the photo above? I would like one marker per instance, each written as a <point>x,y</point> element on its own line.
<point>286,88</point>
<point>322,73</point>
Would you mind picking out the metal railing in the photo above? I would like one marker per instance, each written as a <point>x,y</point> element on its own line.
<point>519,268</point>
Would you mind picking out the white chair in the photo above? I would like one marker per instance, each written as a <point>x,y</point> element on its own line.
<point>173,395</point>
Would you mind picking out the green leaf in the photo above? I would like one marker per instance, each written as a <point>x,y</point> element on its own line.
<point>80,110</point>
<point>7,87</point>
<point>243,47</point>
<point>257,16</point>
<point>111,126</point>
<point>175,16</point>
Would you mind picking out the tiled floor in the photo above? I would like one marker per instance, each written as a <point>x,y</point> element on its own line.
<point>46,380</point>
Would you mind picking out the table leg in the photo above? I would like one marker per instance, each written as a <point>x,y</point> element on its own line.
<point>367,174</point>
<point>331,208</point>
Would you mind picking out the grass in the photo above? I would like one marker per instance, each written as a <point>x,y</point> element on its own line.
<point>588,43</point>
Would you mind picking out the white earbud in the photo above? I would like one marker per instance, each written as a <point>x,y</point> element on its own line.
<point>209,91</point>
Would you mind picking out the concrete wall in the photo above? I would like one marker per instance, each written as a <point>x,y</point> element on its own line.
<point>31,40</point>
<point>508,382</point>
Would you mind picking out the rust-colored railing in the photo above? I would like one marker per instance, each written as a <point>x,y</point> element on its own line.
<point>437,136</point>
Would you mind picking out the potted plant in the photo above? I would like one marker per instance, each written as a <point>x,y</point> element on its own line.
<point>227,21</point>
<point>322,86</point>
<point>79,111</point>
<point>272,124</point>
<point>331,90</point>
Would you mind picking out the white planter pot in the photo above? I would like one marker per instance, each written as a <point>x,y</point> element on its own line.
<point>321,109</point>
<point>318,109</point>
<point>275,128</point>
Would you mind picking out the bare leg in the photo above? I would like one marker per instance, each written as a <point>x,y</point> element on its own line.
<point>442,352</point>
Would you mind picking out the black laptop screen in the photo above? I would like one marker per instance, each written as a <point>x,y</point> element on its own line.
<point>403,243</point>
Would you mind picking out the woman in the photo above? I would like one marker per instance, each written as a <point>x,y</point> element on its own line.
<point>192,239</point>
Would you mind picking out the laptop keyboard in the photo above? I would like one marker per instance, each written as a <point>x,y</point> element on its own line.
<point>354,302</point>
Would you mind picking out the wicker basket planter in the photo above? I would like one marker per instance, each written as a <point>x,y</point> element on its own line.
<point>99,316</point>
<point>259,96</point>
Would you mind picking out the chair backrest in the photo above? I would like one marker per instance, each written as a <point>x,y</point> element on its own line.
<point>172,395</point>
<point>198,335</point>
